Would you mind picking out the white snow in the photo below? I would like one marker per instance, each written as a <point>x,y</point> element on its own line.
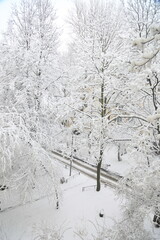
<point>152,118</point>
<point>139,41</point>
<point>148,55</point>
<point>76,207</point>
<point>111,158</point>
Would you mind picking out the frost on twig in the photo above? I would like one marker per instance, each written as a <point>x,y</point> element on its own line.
<point>44,231</point>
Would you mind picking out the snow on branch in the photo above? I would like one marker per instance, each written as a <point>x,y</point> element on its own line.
<point>140,41</point>
<point>147,57</point>
<point>127,116</point>
<point>155,29</point>
<point>152,118</point>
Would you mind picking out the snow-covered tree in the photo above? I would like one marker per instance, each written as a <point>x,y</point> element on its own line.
<point>141,15</point>
<point>95,52</point>
<point>28,72</point>
<point>140,189</point>
<point>141,95</point>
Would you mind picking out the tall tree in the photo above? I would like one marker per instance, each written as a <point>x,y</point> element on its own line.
<point>29,69</point>
<point>97,44</point>
<point>140,187</point>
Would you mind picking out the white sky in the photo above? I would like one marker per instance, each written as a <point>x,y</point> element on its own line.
<point>62,11</point>
<point>4,13</point>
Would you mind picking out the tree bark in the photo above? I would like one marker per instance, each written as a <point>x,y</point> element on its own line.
<point>71,160</point>
<point>101,138</point>
<point>99,172</point>
<point>119,153</point>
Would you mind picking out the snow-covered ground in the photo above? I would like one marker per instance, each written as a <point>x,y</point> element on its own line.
<point>77,208</point>
<point>111,162</point>
<point>110,159</point>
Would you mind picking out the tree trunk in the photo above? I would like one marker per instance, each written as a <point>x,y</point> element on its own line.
<point>99,176</point>
<point>102,100</point>
<point>70,168</point>
<point>119,153</point>
<point>57,199</point>
<point>71,160</point>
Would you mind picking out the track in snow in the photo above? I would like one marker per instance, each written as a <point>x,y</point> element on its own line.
<point>108,178</point>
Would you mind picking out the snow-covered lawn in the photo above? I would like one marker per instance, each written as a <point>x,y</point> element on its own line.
<point>111,162</point>
<point>77,208</point>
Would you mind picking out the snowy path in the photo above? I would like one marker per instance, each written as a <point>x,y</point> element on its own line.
<point>107,178</point>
